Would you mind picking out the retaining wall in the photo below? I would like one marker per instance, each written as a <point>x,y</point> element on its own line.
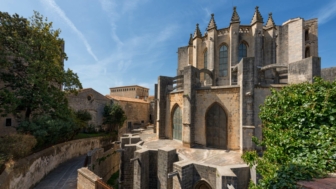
<point>28,171</point>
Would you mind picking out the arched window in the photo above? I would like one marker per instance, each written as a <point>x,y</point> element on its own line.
<point>206,59</point>
<point>242,51</point>
<point>307,35</point>
<point>307,52</point>
<point>223,61</point>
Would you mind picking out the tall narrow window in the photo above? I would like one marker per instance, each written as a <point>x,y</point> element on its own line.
<point>206,59</point>
<point>307,35</point>
<point>8,122</point>
<point>223,61</point>
<point>242,51</point>
<point>307,52</point>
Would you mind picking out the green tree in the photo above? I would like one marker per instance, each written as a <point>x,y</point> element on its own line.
<point>82,118</point>
<point>299,135</point>
<point>32,74</point>
<point>114,117</point>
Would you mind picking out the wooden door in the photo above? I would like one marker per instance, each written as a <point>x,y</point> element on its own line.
<point>177,124</point>
<point>216,127</point>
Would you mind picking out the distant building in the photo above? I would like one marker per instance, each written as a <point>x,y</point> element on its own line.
<point>132,91</point>
<point>91,101</point>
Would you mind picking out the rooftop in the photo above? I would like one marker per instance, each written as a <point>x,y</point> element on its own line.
<point>202,155</point>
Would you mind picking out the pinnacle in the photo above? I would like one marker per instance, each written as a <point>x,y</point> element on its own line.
<point>212,23</point>
<point>191,40</point>
<point>197,32</point>
<point>270,22</point>
<point>235,17</point>
<point>257,17</point>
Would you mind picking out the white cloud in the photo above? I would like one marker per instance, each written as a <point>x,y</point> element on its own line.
<point>327,12</point>
<point>51,4</point>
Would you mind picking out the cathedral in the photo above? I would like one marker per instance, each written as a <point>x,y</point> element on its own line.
<point>224,75</point>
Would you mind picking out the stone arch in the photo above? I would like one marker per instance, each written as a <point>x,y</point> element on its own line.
<point>216,126</point>
<point>244,42</point>
<point>221,44</point>
<point>202,184</point>
<point>176,122</point>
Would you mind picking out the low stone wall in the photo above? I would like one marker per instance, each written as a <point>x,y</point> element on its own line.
<point>86,179</point>
<point>104,164</point>
<point>30,170</point>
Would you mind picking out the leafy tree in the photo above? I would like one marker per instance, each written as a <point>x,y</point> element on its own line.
<point>82,118</point>
<point>299,135</point>
<point>114,117</point>
<point>48,130</point>
<point>32,74</point>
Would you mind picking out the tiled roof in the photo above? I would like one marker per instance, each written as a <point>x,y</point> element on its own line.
<point>120,98</point>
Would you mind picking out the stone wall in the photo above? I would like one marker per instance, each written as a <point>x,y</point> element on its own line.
<point>104,163</point>
<point>329,74</point>
<point>30,170</point>
<point>304,70</point>
<point>137,113</point>
<point>86,179</point>
<point>228,98</point>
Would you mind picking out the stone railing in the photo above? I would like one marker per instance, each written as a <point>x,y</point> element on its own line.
<point>30,170</point>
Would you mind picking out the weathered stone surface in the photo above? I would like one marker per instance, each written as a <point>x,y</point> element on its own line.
<point>329,74</point>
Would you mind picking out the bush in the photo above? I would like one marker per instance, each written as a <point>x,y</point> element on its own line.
<point>17,145</point>
<point>47,130</point>
<point>299,135</point>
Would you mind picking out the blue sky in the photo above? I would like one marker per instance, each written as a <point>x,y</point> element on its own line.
<point>125,42</point>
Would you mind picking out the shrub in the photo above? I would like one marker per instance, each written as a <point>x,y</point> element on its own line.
<point>299,134</point>
<point>47,130</point>
<point>17,145</point>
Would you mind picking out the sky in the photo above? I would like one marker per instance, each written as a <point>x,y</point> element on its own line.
<point>112,43</point>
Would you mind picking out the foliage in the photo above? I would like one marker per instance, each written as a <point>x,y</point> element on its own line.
<point>114,117</point>
<point>17,145</point>
<point>113,180</point>
<point>89,135</point>
<point>31,61</point>
<point>299,135</point>
<point>48,130</point>
<point>82,118</point>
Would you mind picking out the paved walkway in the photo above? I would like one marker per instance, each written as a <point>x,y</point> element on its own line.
<point>205,155</point>
<point>64,176</point>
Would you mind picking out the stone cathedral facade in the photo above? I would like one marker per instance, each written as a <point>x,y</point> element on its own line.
<point>224,75</point>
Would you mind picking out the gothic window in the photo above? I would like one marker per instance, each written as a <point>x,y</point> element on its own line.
<point>307,52</point>
<point>242,51</point>
<point>206,59</point>
<point>223,61</point>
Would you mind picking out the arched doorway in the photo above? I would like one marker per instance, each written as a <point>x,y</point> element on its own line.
<point>177,124</point>
<point>216,127</point>
<point>202,185</point>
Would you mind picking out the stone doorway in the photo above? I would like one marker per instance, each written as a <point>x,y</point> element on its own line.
<point>202,185</point>
<point>216,127</point>
<point>177,124</point>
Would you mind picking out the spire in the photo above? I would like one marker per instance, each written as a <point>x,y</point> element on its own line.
<point>190,40</point>
<point>257,17</point>
<point>270,22</point>
<point>212,23</point>
<point>197,32</point>
<point>235,17</point>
